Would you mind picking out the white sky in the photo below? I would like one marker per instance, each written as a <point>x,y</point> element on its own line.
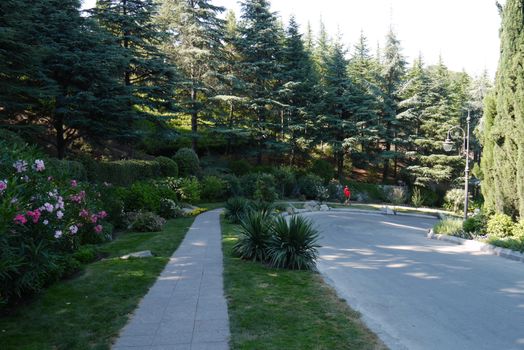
<point>464,32</point>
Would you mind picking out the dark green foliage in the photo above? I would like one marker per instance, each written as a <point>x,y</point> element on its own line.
<point>335,191</point>
<point>287,181</point>
<point>68,169</point>
<point>500,225</point>
<point>475,224</point>
<point>122,172</point>
<point>168,167</point>
<point>213,188</point>
<point>265,189</point>
<point>147,222</point>
<point>232,183</point>
<point>367,191</point>
<point>187,161</point>
<point>144,195</point>
<point>250,183</point>
<point>255,228</point>
<point>168,209</point>
<point>503,134</point>
<point>239,167</point>
<point>86,254</point>
<point>323,169</point>
<point>308,185</point>
<point>293,244</point>
<point>237,208</point>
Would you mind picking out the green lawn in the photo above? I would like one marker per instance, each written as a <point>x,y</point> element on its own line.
<point>281,309</point>
<point>88,311</point>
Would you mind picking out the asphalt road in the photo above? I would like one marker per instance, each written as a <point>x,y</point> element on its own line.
<point>416,293</point>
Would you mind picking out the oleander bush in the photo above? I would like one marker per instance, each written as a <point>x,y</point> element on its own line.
<point>44,219</point>
<point>168,209</point>
<point>188,162</point>
<point>293,244</point>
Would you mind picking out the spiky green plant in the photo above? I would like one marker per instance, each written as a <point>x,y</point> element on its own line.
<point>255,228</point>
<point>293,244</point>
<point>236,208</point>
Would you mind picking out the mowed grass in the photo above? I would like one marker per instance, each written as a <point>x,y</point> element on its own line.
<point>273,309</point>
<point>88,311</point>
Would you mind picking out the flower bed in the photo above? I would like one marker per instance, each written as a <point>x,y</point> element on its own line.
<point>43,221</point>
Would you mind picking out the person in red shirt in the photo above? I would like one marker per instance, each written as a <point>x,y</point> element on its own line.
<point>347,194</point>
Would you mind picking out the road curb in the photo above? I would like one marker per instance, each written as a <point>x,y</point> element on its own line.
<point>479,246</point>
<point>363,211</point>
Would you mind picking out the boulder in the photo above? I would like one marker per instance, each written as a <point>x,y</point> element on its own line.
<point>312,206</point>
<point>324,207</point>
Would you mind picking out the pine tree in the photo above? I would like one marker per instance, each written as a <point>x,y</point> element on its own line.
<point>196,49</point>
<point>131,23</point>
<point>393,71</point>
<point>298,88</point>
<point>503,135</point>
<point>260,57</point>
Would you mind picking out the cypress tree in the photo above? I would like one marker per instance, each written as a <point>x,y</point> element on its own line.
<point>503,135</point>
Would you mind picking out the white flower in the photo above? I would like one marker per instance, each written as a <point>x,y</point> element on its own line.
<point>59,214</point>
<point>45,222</point>
<point>58,234</point>
<point>73,229</point>
<point>20,166</point>
<point>39,165</point>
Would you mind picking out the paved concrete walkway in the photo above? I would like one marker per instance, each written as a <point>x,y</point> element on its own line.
<point>186,308</point>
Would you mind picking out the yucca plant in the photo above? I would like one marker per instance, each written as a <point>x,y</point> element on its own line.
<point>236,208</point>
<point>293,244</point>
<point>255,228</point>
<point>262,206</point>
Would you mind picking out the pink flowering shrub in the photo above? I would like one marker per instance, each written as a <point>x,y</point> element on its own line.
<point>43,222</point>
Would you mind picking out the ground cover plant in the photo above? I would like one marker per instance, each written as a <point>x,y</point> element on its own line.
<point>87,312</point>
<point>304,312</point>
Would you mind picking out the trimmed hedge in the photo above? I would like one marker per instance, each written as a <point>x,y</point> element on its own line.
<point>68,169</point>
<point>168,167</point>
<point>123,172</point>
<point>188,162</point>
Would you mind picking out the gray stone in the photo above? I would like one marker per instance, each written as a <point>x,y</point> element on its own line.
<point>324,207</point>
<point>141,254</point>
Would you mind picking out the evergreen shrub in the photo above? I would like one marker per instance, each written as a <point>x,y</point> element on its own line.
<point>239,167</point>
<point>309,184</point>
<point>323,169</point>
<point>187,161</point>
<point>123,172</point>
<point>500,225</point>
<point>168,167</point>
<point>236,209</point>
<point>213,188</point>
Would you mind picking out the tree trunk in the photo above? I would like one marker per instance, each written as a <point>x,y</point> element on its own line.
<point>230,137</point>
<point>340,166</point>
<point>60,139</point>
<point>194,119</point>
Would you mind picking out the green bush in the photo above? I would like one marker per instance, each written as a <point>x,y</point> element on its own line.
<point>68,169</point>
<point>309,184</point>
<point>86,254</point>
<point>260,186</point>
<point>397,195</point>
<point>293,245</point>
<point>187,161</point>
<point>236,209</point>
<point>322,193</point>
<point>265,189</point>
<point>287,181</point>
<point>475,224</point>
<point>233,187</point>
<point>189,190</point>
<point>147,222</point>
<point>366,191</point>
<point>513,243</point>
<point>239,167</point>
<point>500,225</point>
<point>168,167</point>
<point>451,227</point>
<point>168,209</point>
<point>254,234</point>
<point>323,169</point>
<point>416,198</point>
<point>335,191</point>
<point>454,199</point>
<point>214,188</point>
<point>518,230</point>
<point>123,172</point>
